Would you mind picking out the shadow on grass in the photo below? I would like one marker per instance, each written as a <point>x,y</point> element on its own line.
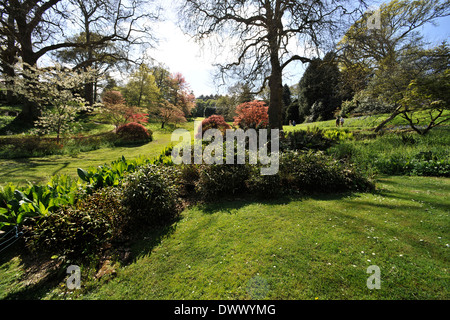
<point>426,192</point>
<point>231,205</point>
<point>142,242</point>
<point>40,273</point>
<point>131,144</point>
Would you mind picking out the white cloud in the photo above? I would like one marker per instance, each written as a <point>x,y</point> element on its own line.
<point>181,54</point>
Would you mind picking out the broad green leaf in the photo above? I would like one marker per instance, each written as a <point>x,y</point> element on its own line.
<point>83,174</point>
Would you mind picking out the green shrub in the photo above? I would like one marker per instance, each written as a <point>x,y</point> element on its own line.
<point>314,172</point>
<point>310,139</point>
<point>268,186</point>
<point>397,165</point>
<point>81,229</point>
<point>151,195</point>
<point>28,146</point>
<point>32,201</point>
<point>221,180</point>
<point>189,176</point>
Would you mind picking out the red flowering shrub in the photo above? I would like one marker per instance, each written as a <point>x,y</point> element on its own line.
<point>214,122</point>
<point>252,114</point>
<point>134,132</point>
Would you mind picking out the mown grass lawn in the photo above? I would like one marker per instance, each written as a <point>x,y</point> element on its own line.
<point>294,248</point>
<point>366,122</point>
<point>38,170</point>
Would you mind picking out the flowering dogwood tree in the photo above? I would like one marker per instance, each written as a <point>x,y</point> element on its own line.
<point>55,91</point>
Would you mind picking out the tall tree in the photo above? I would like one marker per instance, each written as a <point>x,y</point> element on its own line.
<point>369,51</point>
<point>287,101</point>
<point>39,27</point>
<point>263,32</point>
<point>101,57</point>
<point>319,87</point>
<point>242,92</point>
<point>141,89</point>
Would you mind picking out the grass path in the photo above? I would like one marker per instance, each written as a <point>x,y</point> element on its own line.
<point>300,248</point>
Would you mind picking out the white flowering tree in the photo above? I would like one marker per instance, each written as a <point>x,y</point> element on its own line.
<point>55,90</point>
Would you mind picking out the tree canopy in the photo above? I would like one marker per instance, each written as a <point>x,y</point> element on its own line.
<point>262,33</point>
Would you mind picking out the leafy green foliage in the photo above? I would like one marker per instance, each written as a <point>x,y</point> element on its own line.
<point>415,167</point>
<point>313,139</point>
<point>398,154</point>
<point>314,172</point>
<point>221,180</point>
<point>82,228</point>
<point>17,204</point>
<point>266,187</point>
<point>319,96</point>
<point>54,90</point>
<point>150,195</point>
<point>28,146</point>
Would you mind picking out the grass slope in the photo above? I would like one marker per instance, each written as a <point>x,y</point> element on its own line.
<point>300,248</point>
<point>39,170</point>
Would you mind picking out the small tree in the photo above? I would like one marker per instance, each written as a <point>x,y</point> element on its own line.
<point>169,113</point>
<point>416,84</point>
<point>252,114</point>
<point>55,91</point>
<point>115,110</point>
<point>141,89</point>
<point>427,94</point>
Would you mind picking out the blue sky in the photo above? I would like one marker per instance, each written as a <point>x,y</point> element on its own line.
<point>181,54</point>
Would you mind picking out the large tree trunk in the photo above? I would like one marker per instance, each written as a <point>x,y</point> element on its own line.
<point>275,83</point>
<point>8,59</point>
<point>30,110</point>
<point>276,99</point>
<point>88,87</point>
<point>275,25</point>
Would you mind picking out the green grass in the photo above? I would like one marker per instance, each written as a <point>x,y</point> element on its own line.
<point>363,122</point>
<point>369,154</point>
<point>303,248</point>
<point>298,248</point>
<point>39,170</point>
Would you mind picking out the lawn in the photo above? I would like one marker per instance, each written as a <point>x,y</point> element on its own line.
<point>367,122</point>
<point>39,170</point>
<point>293,248</point>
<point>301,248</point>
